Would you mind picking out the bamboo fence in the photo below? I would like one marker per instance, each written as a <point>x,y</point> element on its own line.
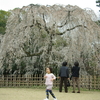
<point>86,82</point>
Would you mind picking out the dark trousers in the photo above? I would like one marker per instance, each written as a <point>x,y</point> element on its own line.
<point>50,91</point>
<point>63,80</point>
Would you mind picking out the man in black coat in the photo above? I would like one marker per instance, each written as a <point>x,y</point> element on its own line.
<point>64,76</point>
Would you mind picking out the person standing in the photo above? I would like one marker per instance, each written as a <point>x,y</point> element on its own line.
<point>64,76</point>
<point>49,78</point>
<point>75,76</point>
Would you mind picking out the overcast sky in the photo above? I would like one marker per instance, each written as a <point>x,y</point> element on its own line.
<point>11,4</point>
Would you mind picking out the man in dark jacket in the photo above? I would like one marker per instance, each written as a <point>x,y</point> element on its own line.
<point>64,76</point>
<point>75,76</point>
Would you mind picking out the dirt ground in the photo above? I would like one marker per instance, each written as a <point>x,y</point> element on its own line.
<point>39,94</point>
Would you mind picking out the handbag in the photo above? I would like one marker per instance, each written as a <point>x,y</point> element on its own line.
<point>68,83</point>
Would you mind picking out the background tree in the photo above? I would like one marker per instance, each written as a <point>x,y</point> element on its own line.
<point>3,19</point>
<point>98,3</point>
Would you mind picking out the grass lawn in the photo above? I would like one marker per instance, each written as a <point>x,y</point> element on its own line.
<point>39,94</point>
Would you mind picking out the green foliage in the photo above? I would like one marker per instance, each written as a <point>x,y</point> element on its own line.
<point>14,66</point>
<point>22,68</point>
<point>98,3</point>
<point>92,63</point>
<point>3,20</point>
<point>98,22</point>
<point>60,42</point>
<point>5,67</point>
<point>37,5</point>
<point>16,8</point>
<point>43,34</point>
<point>2,30</point>
<point>57,31</point>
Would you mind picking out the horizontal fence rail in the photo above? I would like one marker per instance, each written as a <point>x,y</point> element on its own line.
<point>86,82</point>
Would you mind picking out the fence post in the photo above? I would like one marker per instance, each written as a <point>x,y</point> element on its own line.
<point>89,83</point>
<point>27,80</point>
<point>97,82</point>
<point>94,82</point>
<point>7,84</point>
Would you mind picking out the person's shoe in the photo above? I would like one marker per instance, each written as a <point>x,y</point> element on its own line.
<point>73,92</point>
<point>46,99</point>
<point>78,92</point>
<point>66,91</point>
<point>55,98</point>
